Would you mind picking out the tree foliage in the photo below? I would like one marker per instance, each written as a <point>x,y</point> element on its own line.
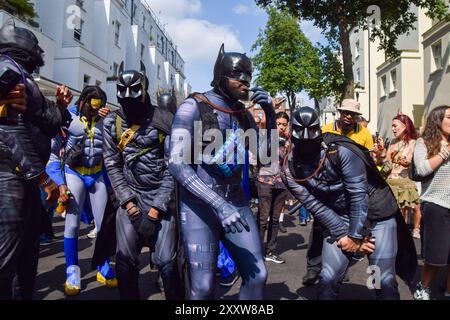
<point>286,61</point>
<point>338,17</point>
<point>22,8</point>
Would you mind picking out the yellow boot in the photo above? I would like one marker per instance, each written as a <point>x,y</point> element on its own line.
<point>72,286</point>
<point>106,276</point>
<point>110,283</point>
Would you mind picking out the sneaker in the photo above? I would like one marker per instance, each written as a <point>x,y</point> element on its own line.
<point>230,280</point>
<point>282,228</point>
<point>303,222</point>
<point>274,258</point>
<point>311,278</point>
<point>72,286</point>
<point>93,233</point>
<point>105,275</point>
<point>416,233</point>
<point>421,293</point>
<point>446,295</point>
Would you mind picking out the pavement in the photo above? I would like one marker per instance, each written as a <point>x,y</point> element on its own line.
<point>284,280</point>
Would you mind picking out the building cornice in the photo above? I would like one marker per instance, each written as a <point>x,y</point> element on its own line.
<point>434,29</point>
<point>404,55</point>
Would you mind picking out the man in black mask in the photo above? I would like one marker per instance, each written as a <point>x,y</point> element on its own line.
<point>337,182</point>
<point>134,149</point>
<point>212,203</point>
<point>32,125</point>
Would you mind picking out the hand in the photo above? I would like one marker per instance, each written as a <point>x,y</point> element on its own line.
<point>52,192</point>
<point>349,244</point>
<point>64,194</point>
<point>103,112</point>
<point>153,213</point>
<point>231,219</point>
<point>367,246</point>
<point>133,210</point>
<point>262,98</point>
<point>380,144</point>
<point>63,96</point>
<point>17,99</point>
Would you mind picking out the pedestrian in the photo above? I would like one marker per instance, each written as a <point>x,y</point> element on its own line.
<point>431,160</point>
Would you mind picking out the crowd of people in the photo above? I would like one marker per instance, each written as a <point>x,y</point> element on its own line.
<point>142,176</point>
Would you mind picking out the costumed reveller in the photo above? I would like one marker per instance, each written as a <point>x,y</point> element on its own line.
<point>79,149</point>
<point>28,122</point>
<point>346,125</point>
<point>336,180</point>
<point>135,152</point>
<point>212,203</point>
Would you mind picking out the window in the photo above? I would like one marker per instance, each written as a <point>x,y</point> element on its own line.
<point>436,62</point>
<point>77,32</point>
<point>158,73</point>
<point>383,86</point>
<point>142,52</point>
<point>115,69</point>
<point>357,49</point>
<point>394,80</point>
<point>117,33</point>
<point>144,20</point>
<point>86,80</point>
<point>358,75</point>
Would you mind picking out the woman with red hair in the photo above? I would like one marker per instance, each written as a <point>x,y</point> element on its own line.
<point>395,166</point>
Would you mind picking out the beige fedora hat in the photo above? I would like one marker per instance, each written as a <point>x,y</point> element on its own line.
<point>350,105</point>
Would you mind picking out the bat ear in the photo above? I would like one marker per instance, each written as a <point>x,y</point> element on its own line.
<point>143,69</point>
<point>121,68</point>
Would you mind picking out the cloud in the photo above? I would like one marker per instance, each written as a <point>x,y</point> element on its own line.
<point>197,39</point>
<point>313,33</point>
<point>204,39</point>
<point>240,9</point>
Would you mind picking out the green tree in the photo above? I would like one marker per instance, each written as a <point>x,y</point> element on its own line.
<point>21,8</point>
<point>338,17</point>
<point>286,61</point>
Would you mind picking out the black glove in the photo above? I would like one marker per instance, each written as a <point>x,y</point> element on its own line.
<point>262,98</point>
<point>145,227</point>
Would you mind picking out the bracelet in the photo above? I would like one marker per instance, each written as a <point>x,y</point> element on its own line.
<point>444,155</point>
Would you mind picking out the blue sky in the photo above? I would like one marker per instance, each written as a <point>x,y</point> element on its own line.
<point>198,27</point>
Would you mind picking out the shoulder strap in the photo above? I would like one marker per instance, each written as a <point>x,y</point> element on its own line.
<point>207,115</point>
<point>118,127</point>
<point>127,136</point>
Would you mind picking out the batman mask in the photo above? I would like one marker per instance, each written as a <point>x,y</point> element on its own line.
<point>232,66</point>
<point>306,134</point>
<point>167,102</point>
<point>21,45</point>
<point>132,94</point>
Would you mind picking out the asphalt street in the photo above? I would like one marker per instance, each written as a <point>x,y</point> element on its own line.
<point>284,281</point>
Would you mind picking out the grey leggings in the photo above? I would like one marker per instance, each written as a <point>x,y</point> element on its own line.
<point>98,196</point>
<point>335,263</point>
<point>202,231</point>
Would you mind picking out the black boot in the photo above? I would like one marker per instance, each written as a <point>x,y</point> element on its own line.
<point>311,278</point>
<point>281,227</point>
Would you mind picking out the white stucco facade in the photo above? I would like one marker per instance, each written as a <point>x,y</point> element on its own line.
<point>92,38</point>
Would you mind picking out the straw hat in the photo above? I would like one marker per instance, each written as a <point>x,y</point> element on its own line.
<point>350,105</point>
